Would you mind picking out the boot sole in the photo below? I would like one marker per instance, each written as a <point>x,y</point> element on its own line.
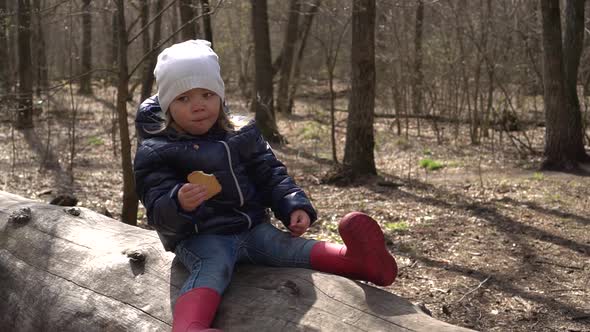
<point>362,234</point>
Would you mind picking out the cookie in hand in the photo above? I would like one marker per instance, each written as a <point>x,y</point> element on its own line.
<point>207,180</point>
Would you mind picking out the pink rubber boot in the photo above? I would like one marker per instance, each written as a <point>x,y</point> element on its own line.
<point>364,255</point>
<point>194,310</point>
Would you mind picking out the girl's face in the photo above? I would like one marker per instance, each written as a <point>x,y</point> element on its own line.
<point>195,111</point>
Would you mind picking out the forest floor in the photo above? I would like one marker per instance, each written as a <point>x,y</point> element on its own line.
<point>485,242</point>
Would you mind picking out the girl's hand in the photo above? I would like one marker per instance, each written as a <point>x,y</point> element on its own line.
<point>190,196</point>
<point>299,222</point>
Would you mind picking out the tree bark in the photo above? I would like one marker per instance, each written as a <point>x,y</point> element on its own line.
<point>304,34</point>
<point>62,272</point>
<point>331,48</point>
<point>263,96</point>
<point>360,141</point>
<point>186,14</point>
<point>40,48</point>
<point>563,134</point>
<point>24,116</point>
<point>148,79</point>
<point>288,54</point>
<point>114,52</point>
<point>130,200</point>
<point>86,60</point>
<point>5,80</point>
<point>147,82</point>
<point>573,42</point>
<point>418,55</point>
<point>206,9</point>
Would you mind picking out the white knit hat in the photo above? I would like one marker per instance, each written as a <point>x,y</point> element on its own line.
<point>184,66</point>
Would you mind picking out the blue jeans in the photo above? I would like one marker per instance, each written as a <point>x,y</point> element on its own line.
<point>211,258</point>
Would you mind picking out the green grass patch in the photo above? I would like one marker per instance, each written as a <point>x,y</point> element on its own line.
<point>430,164</point>
<point>400,226</point>
<point>538,176</point>
<point>332,227</point>
<point>95,140</point>
<point>555,197</point>
<point>312,131</point>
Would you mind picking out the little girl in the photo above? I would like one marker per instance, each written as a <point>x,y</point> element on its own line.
<point>184,128</point>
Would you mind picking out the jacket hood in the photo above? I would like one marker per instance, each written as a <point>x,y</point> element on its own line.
<point>150,120</point>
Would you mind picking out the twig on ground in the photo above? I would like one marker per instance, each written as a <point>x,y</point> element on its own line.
<point>474,289</point>
<point>560,265</point>
<point>581,317</point>
<point>566,290</point>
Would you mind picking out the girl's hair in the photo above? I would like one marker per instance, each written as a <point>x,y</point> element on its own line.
<point>227,123</point>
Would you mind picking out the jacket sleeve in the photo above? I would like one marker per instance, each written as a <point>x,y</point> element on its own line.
<point>277,188</point>
<point>157,186</point>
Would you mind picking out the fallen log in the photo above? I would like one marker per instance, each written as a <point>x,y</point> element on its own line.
<point>72,269</point>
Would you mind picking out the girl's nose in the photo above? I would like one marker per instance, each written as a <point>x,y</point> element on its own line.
<point>197,104</point>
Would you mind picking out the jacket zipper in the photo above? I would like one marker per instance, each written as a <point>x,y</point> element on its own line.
<point>247,217</point>
<point>233,174</point>
<point>237,185</point>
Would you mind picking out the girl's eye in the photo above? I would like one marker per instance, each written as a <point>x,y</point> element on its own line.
<point>182,99</point>
<point>207,94</point>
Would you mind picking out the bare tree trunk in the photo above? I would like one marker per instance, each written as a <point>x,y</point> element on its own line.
<point>148,79</point>
<point>263,98</point>
<point>129,212</point>
<point>572,51</point>
<point>42,76</point>
<point>206,9</point>
<point>331,49</point>
<point>488,54</point>
<point>174,25</point>
<point>5,80</point>
<point>481,45</point>
<point>463,93</point>
<point>533,50</point>
<point>287,56</point>
<point>114,54</point>
<point>360,141</point>
<point>242,53</point>
<point>144,18</point>
<point>563,135</point>
<point>186,14</point>
<point>417,89</point>
<point>86,78</point>
<point>304,33</point>
<point>144,14</point>
<point>24,115</point>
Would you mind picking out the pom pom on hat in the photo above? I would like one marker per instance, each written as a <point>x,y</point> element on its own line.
<point>184,66</point>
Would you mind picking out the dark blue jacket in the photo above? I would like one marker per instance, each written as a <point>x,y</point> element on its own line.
<point>251,177</point>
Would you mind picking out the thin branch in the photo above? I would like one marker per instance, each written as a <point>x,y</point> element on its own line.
<point>172,36</point>
<point>150,22</point>
<point>474,289</point>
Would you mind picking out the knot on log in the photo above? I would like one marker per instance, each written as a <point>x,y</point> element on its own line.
<point>20,216</point>
<point>289,287</point>
<point>135,255</point>
<point>425,310</point>
<point>73,211</point>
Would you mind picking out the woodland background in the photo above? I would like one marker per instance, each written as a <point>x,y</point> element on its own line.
<point>459,125</point>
